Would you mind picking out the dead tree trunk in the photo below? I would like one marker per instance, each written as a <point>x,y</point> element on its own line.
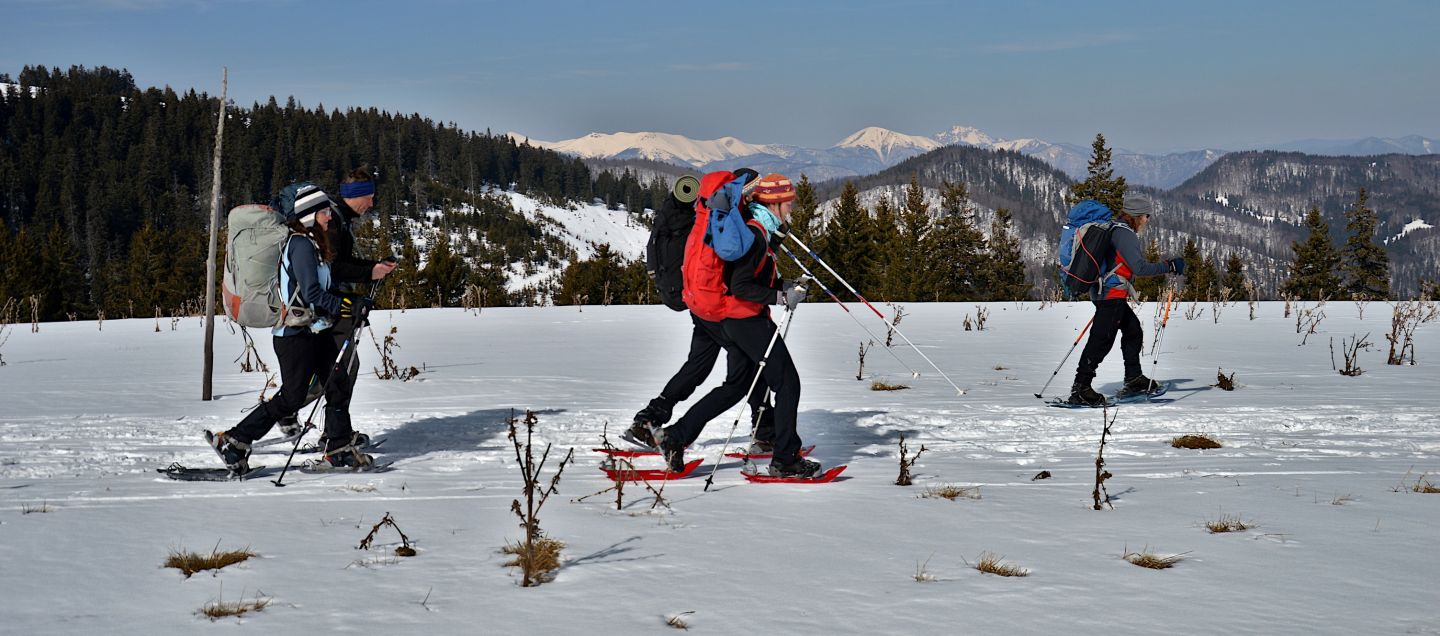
<point>205,388</point>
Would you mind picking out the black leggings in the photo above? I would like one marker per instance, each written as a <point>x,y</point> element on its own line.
<point>1111,315</point>
<point>305,359</point>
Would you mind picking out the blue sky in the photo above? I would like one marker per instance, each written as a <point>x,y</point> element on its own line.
<point>1152,76</point>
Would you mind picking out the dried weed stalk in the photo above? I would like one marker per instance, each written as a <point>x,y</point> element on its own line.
<point>1225,382</point>
<point>1351,352</point>
<point>881,385</point>
<point>906,462</point>
<point>404,550</point>
<point>538,556</point>
<point>1100,473</point>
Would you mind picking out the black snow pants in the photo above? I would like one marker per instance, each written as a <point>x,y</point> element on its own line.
<point>306,359</point>
<point>1111,315</point>
<point>707,340</point>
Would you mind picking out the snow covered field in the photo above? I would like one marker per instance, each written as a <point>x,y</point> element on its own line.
<point>1313,459</point>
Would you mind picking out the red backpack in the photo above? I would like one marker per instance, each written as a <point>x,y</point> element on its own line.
<point>705,291</point>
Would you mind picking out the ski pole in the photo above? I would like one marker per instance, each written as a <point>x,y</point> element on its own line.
<point>892,326</point>
<point>343,361</point>
<point>1160,335</point>
<point>851,314</point>
<point>764,359</point>
<point>1041,394</point>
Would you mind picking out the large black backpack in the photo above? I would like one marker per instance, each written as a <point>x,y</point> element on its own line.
<point>665,252</point>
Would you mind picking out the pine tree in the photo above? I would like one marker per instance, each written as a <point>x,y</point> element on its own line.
<point>804,218</point>
<point>1234,281</point>
<point>1100,184</point>
<point>601,279</point>
<point>956,248</point>
<point>1199,274</point>
<point>909,271</point>
<point>887,271</point>
<point>445,272</point>
<point>1366,266</point>
<point>1314,274</point>
<point>847,244</point>
<point>1005,265</point>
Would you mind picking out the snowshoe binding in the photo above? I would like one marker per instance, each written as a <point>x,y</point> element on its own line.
<point>234,453</point>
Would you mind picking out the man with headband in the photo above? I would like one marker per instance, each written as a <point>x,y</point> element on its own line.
<point>357,196</point>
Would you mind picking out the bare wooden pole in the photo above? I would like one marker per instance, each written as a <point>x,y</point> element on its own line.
<point>206,392</point>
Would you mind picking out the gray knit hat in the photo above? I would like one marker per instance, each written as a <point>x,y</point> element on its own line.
<point>1138,204</point>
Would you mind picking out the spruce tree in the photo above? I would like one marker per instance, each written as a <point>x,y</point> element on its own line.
<point>1005,266</point>
<point>1100,182</point>
<point>887,274</point>
<point>1234,281</point>
<point>910,271</point>
<point>847,244</point>
<point>445,272</point>
<point>1314,274</point>
<point>804,218</point>
<point>1366,266</point>
<point>956,248</point>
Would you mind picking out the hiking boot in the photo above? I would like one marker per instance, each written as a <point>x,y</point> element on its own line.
<point>1082,394</point>
<point>1138,385</point>
<point>653,413</point>
<point>643,433</point>
<point>290,426</point>
<point>673,449</point>
<point>761,447</point>
<point>352,441</point>
<point>235,453</point>
<point>801,469</point>
<point>346,457</point>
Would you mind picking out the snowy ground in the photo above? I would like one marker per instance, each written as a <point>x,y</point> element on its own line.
<point>1311,457</point>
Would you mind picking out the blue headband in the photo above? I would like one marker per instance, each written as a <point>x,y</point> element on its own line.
<point>357,189</point>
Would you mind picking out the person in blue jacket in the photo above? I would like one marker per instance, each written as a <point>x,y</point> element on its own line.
<point>305,345</point>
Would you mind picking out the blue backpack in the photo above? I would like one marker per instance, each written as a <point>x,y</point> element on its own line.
<point>726,232</point>
<point>1084,248</point>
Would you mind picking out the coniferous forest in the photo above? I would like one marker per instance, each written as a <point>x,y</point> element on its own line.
<point>104,192</point>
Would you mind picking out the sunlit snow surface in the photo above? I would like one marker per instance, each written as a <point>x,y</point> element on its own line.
<point>1315,459</point>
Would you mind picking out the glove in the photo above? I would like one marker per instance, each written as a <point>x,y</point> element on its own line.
<point>793,294</point>
<point>352,305</point>
<point>1177,266</point>
<point>782,231</point>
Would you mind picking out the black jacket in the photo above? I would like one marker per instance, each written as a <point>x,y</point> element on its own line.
<point>346,268</point>
<point>753,276</point>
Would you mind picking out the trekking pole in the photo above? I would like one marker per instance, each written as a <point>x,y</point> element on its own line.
<point>851,314</point>
<point>1041,394</point>
<point>892,326</point>
<point>1160,334</point>
<point>342,361</point>
<point>764,359</point>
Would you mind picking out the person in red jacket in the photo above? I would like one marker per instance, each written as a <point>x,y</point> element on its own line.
<point>753,283</point>
<point>1112,307</point>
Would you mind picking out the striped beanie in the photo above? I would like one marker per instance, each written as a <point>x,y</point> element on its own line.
<point>309,200</point>
<point>773,188</point>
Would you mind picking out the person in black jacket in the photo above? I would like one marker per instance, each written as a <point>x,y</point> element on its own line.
<point>755,283</point>
<point>1112,307</point>
<point>357,196</point>
<point>305,345</point>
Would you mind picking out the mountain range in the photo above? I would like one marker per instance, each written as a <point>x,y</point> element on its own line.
<point>873,149</point>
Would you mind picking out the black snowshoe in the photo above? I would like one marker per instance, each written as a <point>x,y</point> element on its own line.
<point>1138,385</point>
<point>1082,395</point>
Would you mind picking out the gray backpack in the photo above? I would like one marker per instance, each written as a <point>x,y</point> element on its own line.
<point>251,286</point>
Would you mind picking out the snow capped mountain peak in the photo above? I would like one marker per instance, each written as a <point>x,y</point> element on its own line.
<point>886,143</point>
<point>656,146</point>
<point>965,135</point>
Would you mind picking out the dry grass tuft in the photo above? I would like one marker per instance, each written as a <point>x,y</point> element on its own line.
<point>43,507</point>
<point>191,562</point>
<point>544,560</point>
<point>951,492</point>
<point>1196,442</point>
<point>1228,523</point>
<point>216,610</point>
<point>678,620</point>
<point>991,564</point>
<point>1147,559</point>
<point>1340,500</point>
<point>1424,485</point>
<point>922,572</point>
<point>881,385</point>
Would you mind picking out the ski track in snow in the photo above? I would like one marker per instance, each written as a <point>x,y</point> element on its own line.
<point>1312,457</point>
